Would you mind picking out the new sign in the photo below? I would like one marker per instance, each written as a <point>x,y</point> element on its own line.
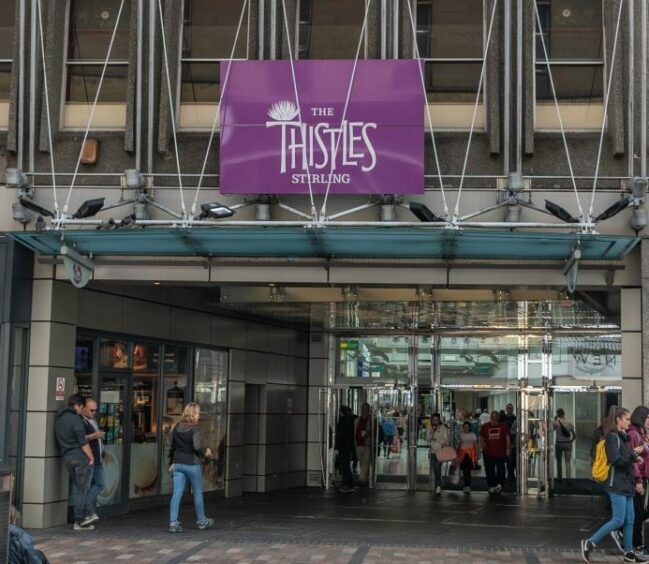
<point>270,145</point>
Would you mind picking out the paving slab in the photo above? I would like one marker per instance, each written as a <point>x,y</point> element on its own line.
<point>366,527</point>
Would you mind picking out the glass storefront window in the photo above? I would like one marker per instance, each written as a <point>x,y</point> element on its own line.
<point>374,358</point>
<point>146,358</point>
<point>113,354</point>
<point>585,361</point>
<point>111,418</point>
<point>83,366</point>
<point>479,360</point>
<point>210,391</point>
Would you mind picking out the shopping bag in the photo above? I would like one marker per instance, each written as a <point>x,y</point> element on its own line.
<point>396,444</point>
<point>446,454</point>
<point>454,475</point>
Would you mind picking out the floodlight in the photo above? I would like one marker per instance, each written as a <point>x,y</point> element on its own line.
<point>559,212</point>
<point>32,205</point>
<point>616,208</point>
<point>89,208</point>
<point>423,213</point>
<point>215,210</point>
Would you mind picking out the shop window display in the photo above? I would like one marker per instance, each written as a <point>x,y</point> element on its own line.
<point>83,366</point>
<point>114,355</point>
<point>111,420</point>
<point>142,388</point>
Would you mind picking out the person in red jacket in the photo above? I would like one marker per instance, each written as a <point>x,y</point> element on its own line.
<point>494,439</point>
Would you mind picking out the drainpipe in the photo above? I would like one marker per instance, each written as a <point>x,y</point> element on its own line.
<point>643,94</point>
<point>631,84</point>
<point>138,86</point>
<point>152,27</point>
<point>507,86</point>
<point>21,87</point>
<point>32,89</point>
<point>519,86</point>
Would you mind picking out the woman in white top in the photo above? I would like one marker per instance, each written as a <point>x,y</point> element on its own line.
<point>437,437</point>
<point>467,454</point>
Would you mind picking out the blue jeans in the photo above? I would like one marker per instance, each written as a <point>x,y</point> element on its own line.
<point>623,516</point>
<point>183,473</point>
<point>96,486</point>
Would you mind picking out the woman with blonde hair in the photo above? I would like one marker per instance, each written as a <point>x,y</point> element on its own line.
<point>185,458</point>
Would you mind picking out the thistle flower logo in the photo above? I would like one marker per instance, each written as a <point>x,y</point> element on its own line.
<point>283,111</point>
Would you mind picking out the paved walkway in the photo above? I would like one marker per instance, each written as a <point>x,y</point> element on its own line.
<point>305,526</point>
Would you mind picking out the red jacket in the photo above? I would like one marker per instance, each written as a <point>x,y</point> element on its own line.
<point>640,470</point>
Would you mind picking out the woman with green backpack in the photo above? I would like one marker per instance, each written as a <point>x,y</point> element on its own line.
<point>620,486</point>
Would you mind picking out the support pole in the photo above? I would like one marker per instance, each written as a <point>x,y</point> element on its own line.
<point>507,86</point>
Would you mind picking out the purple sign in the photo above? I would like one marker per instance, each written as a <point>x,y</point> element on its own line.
<point>267,149</point>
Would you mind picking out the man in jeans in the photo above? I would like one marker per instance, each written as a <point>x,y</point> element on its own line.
<point>94,437</point>
<point>76,452</point>
<point>494,437</point>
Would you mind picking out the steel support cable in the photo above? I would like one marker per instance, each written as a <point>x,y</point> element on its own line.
<point>556,105</point>
<point>66,210</point>
<point>323,210</point>
<point>218,109</point>
<point>606,100</point>
<point>314,213</point>
<point>456,211</point>
<point>428,114</point>
<point>47,109</point>
<point>171,110</point>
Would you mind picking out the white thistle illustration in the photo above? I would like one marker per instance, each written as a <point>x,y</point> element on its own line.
<point>283,111</point>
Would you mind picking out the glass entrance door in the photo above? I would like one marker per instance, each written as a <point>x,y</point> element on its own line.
<point>571,456</point>
<point>391,409</point>
<point>533,450</point>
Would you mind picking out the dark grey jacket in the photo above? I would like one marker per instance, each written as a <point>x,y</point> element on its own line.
<point>621,479</point>
<point>70,435</point>
<point>186,445</point>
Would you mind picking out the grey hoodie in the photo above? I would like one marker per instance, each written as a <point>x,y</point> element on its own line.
<point>70,435</point>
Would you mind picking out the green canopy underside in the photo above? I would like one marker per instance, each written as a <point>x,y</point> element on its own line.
<point>331,242</point>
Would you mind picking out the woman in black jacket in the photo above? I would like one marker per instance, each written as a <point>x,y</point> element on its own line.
<point>185,458</point>
<point>620,486</point>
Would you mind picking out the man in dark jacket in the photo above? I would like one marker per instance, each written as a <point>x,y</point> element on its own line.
<point>345,445</point>
<point>78,458</point>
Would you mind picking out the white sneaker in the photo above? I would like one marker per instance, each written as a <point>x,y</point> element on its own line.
<point>491,490</point>
<point>498,489</point>
<point>467,489</point>
<point>78,527</point>
<point>438,490</point>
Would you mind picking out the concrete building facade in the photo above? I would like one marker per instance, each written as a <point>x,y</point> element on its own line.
<point>274,342</point>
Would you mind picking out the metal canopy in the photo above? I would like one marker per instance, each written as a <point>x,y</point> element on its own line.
<point>331,242</point>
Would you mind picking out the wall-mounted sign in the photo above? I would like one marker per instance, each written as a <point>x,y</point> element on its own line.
<point>78,267</point>
<point>377,149</point>
<point>60,389</point>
